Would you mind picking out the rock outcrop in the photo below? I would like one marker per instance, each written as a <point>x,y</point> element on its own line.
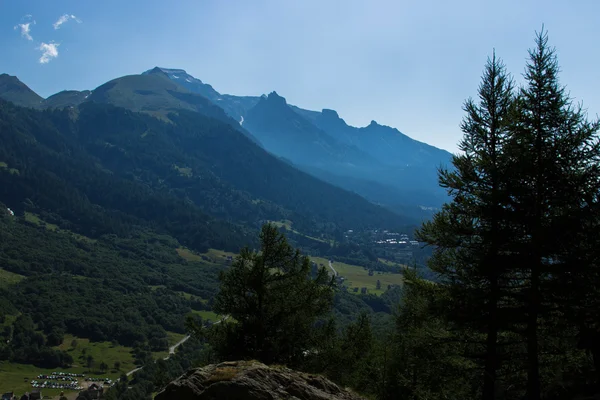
<point>251,380</point>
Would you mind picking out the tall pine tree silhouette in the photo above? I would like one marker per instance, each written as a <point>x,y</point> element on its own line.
<point>554,152</point>
<point>469,233</point>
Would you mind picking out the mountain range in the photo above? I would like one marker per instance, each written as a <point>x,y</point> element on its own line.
<point>377,162</point>
<point>403,169</point>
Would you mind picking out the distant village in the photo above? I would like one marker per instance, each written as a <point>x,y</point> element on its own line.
<point>94,389</point>
<point>397,239</point>
<point>386,237</point>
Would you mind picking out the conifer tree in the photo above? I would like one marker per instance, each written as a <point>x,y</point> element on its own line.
<point>469,234</point>
<point>554,151</point>
<point>425,361</point>
<point>273,303</point>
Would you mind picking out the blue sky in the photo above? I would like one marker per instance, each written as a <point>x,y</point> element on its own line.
<point>407,64</point>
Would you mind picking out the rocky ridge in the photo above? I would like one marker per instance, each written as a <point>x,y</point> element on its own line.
<point>252,380</point>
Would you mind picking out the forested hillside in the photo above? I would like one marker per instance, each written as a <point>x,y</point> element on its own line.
<point>99,289</point>
<point>141,168</point>
<point>97,203</point>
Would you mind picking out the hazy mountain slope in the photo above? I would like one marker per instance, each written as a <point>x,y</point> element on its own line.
<point>287,134</point>
<point>377,162</point>
<point>321,143</point>
<point>308,114</point>
<point>251,168</point>
<point>383,142</point>
<point>403,201</point>
<point>411,170</point>
<point>235,106</point>
<point>12,89</point>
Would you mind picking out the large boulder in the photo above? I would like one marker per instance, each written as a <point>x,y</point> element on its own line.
<point>251,380</point>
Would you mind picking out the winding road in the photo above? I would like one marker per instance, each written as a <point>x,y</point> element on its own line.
<point>133,371</point>
<point>333,269</point>
<point>174,347</point>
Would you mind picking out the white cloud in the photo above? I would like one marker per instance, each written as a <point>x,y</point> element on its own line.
<point>49,51</point>
<point>25,27</point>
<point>65,18</point>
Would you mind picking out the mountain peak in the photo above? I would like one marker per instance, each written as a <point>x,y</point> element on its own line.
<point>167,71</point>
<point>12,89</point>
<point>182,78</point>
<point>373,123</point>
<point>6,78</point>
<point>274,98</point>
<point>175,74</point>
<point>155,70</point>
<point>275,95</point>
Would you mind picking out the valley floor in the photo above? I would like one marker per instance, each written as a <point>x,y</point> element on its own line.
<point>17,377</point>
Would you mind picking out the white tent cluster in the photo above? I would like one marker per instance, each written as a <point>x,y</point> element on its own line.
<point>58,380</point>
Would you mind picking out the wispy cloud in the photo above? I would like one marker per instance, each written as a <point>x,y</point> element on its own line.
<point>25,27</point>
<point>65,18</point>
<point>49,52</point>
